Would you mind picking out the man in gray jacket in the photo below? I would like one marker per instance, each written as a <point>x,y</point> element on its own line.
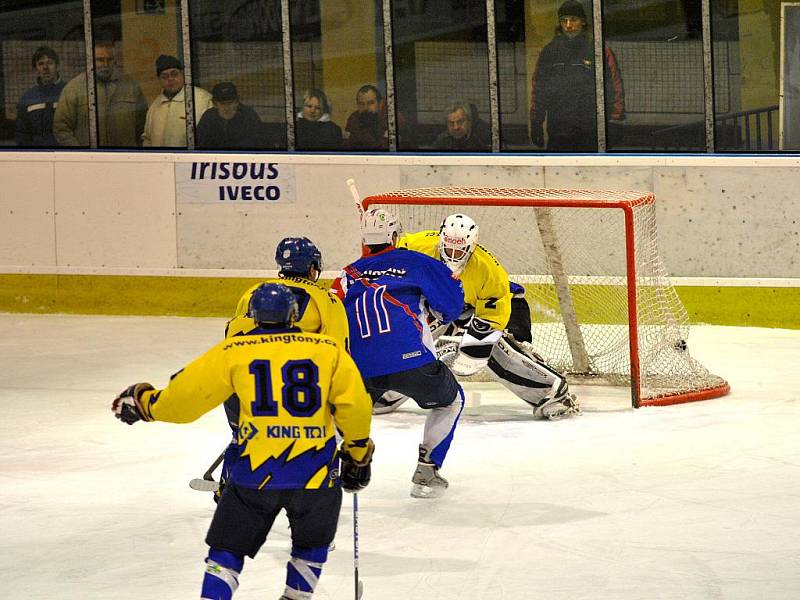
<point>121,106</point>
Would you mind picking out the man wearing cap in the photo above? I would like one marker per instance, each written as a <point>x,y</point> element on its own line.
<point>229,124</point>
<point>121,106</point>
<point>563,87</point>
<point>36,106</point>
<point>165,126</point>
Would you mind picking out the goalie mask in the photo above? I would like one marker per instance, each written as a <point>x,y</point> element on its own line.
<point>458,236</point>
<point>378,226</point>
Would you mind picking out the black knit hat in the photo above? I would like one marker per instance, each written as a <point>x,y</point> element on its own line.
<point>165,62</point>
<point>224,92</point>
<point>572,8</point>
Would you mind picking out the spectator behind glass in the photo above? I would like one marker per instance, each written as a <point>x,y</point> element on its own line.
<point>229,124</point>
<point>464,130</point>
<point>563,87</point>
<point>366,127</point>
<point>166,118</point>
<point>121,107</point>
<point>313,128</point>
<point>37,105</point>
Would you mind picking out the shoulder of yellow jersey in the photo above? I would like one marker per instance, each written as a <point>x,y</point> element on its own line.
<point>293,335</point>
<point>485,254</point>
<point>317,290</point>
<point>426,242</point>
<point>299,282</point>
<point>483,267</point>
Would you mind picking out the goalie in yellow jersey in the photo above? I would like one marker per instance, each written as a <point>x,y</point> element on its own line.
<point>495,327</point>
<point>299,264</point>
<point>295,389</point>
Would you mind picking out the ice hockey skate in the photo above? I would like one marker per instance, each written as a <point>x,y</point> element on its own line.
<point>427,481</point>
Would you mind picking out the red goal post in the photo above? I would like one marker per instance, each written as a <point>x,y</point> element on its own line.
<point>603,308</point>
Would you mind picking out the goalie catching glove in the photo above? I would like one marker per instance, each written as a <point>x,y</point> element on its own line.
<point>126,405</point>
<point>356,473</point>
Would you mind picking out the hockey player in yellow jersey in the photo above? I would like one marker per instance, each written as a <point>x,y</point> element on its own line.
<point>299,264</point>
<point>299,267</point>
<point>495,323</point>
<point>296,389</point>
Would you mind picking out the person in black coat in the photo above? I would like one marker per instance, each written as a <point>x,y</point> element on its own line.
<point>230,124</point>
<point>314,129</point>
<point>563,87</point>
<point>465,132</point>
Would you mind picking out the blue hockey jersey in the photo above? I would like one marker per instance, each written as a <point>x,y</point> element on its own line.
<point>385,295</point>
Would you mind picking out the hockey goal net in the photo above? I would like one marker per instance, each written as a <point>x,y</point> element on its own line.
<point>602,304</point>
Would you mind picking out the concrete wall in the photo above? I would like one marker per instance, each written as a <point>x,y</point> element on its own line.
<point>112,213</point>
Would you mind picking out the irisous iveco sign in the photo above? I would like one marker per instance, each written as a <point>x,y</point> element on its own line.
<point>234,182</point>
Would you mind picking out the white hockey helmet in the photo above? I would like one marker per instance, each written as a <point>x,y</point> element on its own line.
<point>458,236</point>
<point>378,226</point>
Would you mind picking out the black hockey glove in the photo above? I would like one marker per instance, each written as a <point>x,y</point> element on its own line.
<point>356,474</point>
<point>126,406</point>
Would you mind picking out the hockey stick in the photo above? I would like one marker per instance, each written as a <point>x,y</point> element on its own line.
<point>359,585</point>
<point>351,183</point>
<point>207,483</point>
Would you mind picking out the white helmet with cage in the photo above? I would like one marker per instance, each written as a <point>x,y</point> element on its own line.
<point>378,226</point>
<point>458,237</point>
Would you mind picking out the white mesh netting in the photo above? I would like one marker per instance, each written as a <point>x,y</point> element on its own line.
<point>568,248</point>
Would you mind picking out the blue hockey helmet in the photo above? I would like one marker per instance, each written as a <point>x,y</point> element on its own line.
<point>296,255</point>
<point>274,304</point>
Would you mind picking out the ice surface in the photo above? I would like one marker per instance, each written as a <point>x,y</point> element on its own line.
<point>692,501</point>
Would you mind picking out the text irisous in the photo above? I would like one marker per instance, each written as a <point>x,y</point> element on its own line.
<point>239,171</point>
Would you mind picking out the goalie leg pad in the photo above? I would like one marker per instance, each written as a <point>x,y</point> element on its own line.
<point>222,574</point>
<point>531,379</point>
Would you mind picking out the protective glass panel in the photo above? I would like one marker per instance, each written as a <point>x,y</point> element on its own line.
<point>237,55</point>
<point>128,38</point>
<point>441,76</point>
<point>339,73</point>
<point>748,81</point>
<point>547,87</point>
<point>658,49</point>
<point>41,48</point>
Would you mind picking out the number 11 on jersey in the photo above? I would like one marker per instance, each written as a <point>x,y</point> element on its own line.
<point>371,305</point>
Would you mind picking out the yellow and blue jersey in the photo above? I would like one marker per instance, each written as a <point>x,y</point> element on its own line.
<point>294,390</point>
<point>485,281</point>
<point>321,311</point>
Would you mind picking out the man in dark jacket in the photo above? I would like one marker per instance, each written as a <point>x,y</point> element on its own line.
<point>230,124</point>
<point>465,132</point>
<point>366,127</point>
<point>563,87</point>
<point>38,104</point>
